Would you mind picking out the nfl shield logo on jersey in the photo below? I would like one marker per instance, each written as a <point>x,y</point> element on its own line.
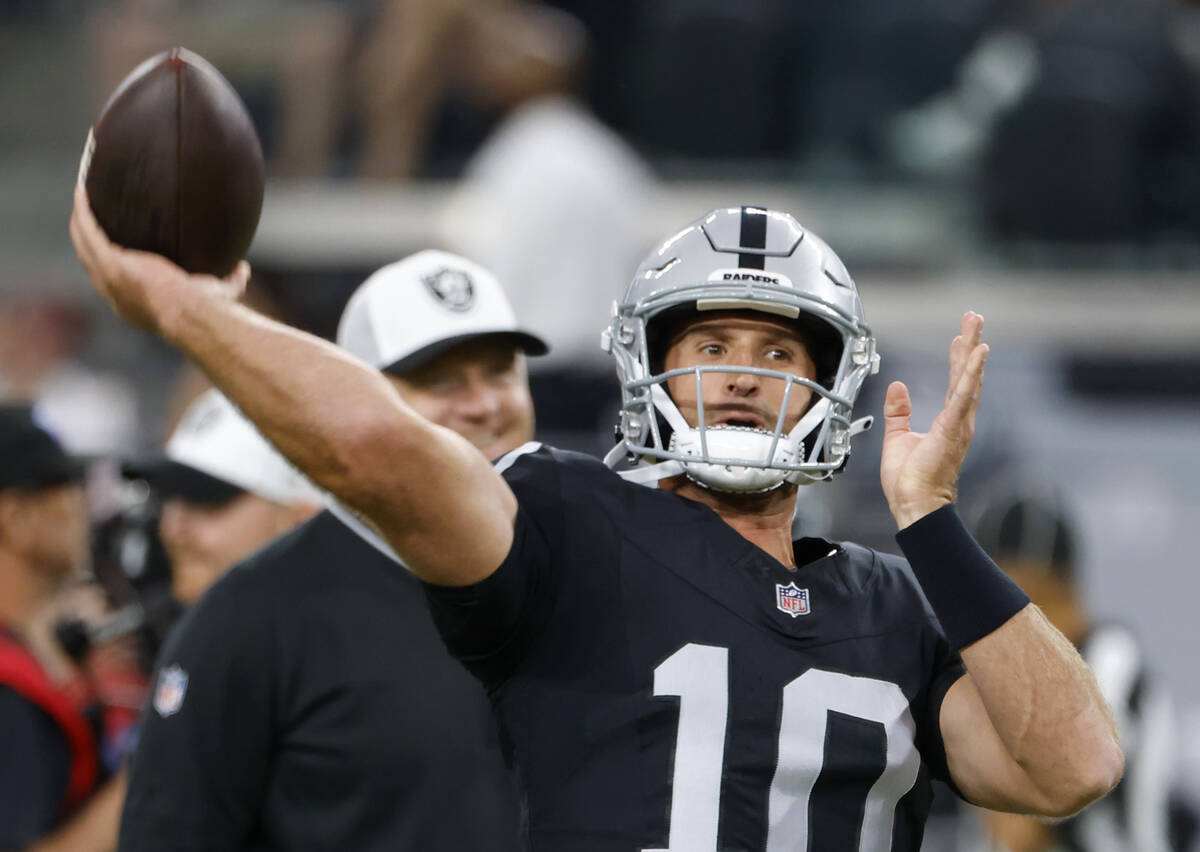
<point>792,600</point>
<point>172,686</point>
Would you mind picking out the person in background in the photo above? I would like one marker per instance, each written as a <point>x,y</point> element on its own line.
<point>53,794</point>
<point>42,339</point>
<point>1030,533</point>
<point>307,701</point>
<point>225,494</point>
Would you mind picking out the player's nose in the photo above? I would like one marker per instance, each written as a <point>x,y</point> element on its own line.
<point>741,384</point>
<point>479,400</point>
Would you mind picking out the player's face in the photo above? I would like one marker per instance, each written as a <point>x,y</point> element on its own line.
<point>203,541</point>
<point>739,339</point>
<point>479,389</point>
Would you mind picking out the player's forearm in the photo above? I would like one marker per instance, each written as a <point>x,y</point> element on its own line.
<point>1038,694</point>
<point>318,405</point>
<point>1045,705</point>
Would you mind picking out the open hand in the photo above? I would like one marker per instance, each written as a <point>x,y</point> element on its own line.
<point>919,472</point>
<point>144,289</point>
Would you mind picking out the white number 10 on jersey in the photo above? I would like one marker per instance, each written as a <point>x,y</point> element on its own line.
<point>699,675</point>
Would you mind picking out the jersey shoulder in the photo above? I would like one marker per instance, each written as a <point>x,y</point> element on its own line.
<point>887,578</point>
<point>536,463</point>
<point>546,479</point>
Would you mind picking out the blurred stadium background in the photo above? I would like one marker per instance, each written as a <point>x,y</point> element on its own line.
<point>1036,161</point>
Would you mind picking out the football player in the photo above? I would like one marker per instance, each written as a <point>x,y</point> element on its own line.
<point>672,670</point>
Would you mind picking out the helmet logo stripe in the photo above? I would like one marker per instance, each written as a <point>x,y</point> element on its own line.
<point>753,236</point>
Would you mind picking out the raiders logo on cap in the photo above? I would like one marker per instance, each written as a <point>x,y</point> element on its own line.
<point>452,287</point>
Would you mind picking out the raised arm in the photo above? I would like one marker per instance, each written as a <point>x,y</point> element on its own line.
<point>1026,728</point>
<point>431,494</point>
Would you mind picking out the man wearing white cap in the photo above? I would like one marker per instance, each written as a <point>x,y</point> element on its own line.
<point>307,701</point>
<point>226,493</point>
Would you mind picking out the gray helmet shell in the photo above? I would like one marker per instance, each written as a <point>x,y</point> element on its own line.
<point>742,258</point>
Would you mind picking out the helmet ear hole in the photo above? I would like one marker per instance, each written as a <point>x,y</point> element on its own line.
<point>664,328</point>
<point>824,343</point>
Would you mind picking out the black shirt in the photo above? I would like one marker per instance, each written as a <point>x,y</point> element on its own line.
<point>35,762</point>
<point>668,685</point>
<point>307,703</point>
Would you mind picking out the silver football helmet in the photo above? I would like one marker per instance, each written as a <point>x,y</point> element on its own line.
<point>751,259</point>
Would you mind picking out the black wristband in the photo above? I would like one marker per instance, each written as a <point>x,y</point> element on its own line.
<point>969,593</point>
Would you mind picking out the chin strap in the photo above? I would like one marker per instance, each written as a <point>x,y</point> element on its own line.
<point>650,474</point>
<point>810,420</point>
<point>667,409</point>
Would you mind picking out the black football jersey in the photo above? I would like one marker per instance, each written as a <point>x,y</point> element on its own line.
<point>663,684</point>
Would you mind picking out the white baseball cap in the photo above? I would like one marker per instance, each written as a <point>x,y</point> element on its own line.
<point>216,453</point>
<point>411,311</point>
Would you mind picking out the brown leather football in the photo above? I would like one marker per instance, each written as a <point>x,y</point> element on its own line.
<point>174,165</point>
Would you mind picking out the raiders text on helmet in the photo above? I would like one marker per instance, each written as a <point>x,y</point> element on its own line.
<point>751,259</point>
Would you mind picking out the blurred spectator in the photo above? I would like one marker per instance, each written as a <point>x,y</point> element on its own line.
<point>773,79</point>
<point>1029,533</point>
<point>94,645</point>
<point>710,77</point>
<point>1105,142</point>
<point>226,493</point>
<point>40,340</point>
<point>51,797</point>
<point>412,86</point>
<point>420,55</point>
<point>307,702</point>
<point>605,81</point>
<point>287,58</point>
<point>556,204</point>
<point>943,137</point>
<point>870,61</point>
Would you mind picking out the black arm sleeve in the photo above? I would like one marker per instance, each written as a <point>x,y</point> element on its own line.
<point>947,671</point>
<point>34,771</point>
<point>197,777</point>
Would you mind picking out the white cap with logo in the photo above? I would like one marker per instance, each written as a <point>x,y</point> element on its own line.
<point>409,312</point>
<point>215,439</point>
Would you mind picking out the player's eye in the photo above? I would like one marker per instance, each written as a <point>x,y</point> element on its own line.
<point>441,385</point>
<point>501,373</point>
<point>712,349</point>
<point>778,354</point>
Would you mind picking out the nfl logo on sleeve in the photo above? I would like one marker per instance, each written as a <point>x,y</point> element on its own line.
<point>792,600</point>
<point>172,686</point>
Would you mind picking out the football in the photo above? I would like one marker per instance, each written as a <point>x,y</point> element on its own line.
<point>173,165</point>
